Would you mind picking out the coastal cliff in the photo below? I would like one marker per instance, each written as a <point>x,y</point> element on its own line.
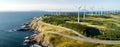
<point>41,38</point>
<point>45,39</point>
<point>48,35</point>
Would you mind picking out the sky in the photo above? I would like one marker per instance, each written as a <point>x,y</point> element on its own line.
<point>58,5</point>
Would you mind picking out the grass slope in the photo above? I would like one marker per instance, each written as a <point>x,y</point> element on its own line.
<point>104,27</point>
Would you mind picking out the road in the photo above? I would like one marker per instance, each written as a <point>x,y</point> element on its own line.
<point>86,39</point>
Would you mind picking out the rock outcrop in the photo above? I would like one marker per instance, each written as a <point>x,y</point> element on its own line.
<point>40,38</point>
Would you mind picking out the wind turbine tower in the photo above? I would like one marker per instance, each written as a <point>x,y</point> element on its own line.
<point>56,12</point>
<point>92,10</point>
<point>59,11</point>
<point>79,13</point>
<point>101,12</point>
<point>84,9</point>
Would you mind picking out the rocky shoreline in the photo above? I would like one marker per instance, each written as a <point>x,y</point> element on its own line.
<point>29,39</point>
<point>25,27</point>
<point>43,42</point>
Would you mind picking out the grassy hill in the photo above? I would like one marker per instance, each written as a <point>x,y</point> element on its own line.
<point>104,26</point>
<point>70,21</point>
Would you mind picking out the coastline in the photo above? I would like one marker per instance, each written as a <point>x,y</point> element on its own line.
<point>40,31</point>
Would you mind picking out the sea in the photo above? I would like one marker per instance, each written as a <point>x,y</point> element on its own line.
<point>14,20</point>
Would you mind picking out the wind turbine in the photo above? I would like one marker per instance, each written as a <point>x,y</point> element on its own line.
<point>84,9</point>
<point>107,11</point>
<point>101,12</point>
<point>113,11</point>
<point>92,10</point>
<point>79,13</point>
<point>59,11</point>
<point>96,11</point>
<point>117,11</point>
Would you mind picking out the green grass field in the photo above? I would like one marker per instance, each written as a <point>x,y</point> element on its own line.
<point>104,26</point>
<point>70,21</point>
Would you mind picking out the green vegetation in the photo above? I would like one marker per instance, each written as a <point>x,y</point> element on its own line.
<point>60,41</point>
<point>38,26</point>
<point>104,27</point>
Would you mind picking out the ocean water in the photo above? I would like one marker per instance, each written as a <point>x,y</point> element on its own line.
<point>14,20</point>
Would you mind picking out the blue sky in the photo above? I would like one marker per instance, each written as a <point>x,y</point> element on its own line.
<point>56,5</point>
